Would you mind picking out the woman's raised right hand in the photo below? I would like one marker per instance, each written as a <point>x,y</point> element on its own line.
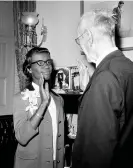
<point>44,92</point>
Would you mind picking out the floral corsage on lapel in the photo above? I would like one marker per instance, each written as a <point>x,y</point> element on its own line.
<point>32,98</point>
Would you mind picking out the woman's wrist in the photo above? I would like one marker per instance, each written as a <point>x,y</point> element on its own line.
<point>35,120</point>
<point>43,105</point>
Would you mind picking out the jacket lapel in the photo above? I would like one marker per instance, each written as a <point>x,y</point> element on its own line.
<point>57,104</point>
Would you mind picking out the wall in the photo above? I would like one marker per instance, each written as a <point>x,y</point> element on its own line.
<point>61,19</point>
<point>129,54</point>
<point>126,22</point>
<point>126,29</point>
<point>7,57</point>
<point>128,43</point>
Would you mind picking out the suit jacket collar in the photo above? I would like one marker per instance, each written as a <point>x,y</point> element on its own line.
<point>109,57</point>
<point>100,67</point>
<point>105,53</point>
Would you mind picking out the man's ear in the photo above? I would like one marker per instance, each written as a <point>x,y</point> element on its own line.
<point>89,35</point>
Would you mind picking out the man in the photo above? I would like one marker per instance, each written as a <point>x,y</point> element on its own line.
<point>107,102</point>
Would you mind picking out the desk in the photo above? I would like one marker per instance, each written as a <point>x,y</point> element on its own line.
<point>70,107</point>
<point>71,103</point>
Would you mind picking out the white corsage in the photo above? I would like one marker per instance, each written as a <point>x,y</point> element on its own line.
<point>32,97</point>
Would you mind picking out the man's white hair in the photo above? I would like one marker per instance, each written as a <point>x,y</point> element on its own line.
<point>101,20</point>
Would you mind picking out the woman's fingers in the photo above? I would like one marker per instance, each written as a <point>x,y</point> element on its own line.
<point>41,80</point>
<point>43,90</point>
<point>46,86</point>
<point>47,89</point>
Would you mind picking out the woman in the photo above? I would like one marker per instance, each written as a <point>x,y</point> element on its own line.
<point>38,116</point>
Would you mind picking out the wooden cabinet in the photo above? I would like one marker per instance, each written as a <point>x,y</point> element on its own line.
<point>71,103</point>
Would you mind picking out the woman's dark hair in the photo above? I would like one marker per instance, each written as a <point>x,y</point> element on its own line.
<point>27,62</point>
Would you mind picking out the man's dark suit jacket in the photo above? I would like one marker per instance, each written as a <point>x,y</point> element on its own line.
<point>104,111</point>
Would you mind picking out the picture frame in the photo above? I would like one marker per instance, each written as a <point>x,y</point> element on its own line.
<point>61,78</point>
<point>67,80</point>
<point>126,31</point>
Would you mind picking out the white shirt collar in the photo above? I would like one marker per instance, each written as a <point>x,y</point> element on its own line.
<point>36,87</point>
<point>105,54</point>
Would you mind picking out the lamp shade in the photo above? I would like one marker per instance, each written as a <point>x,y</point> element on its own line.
<point>29,18</point>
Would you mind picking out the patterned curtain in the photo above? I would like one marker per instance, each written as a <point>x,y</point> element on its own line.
<point>18,8</point>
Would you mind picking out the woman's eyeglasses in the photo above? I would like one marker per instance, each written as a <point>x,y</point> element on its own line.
<point>43,63</point>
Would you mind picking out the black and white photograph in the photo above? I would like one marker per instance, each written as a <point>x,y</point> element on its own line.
<point>62,81</point>
<point>67,80</point>
<point>66,84</point>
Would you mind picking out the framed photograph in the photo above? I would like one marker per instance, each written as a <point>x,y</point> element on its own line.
<point>125,21</point>
<point>61,79</point>
<point>74,78</point>
<point>67,80</point>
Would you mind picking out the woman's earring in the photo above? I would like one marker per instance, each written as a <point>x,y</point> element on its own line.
<point>29,70</point>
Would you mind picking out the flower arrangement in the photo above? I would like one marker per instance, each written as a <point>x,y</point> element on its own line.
<point>32,97</point>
